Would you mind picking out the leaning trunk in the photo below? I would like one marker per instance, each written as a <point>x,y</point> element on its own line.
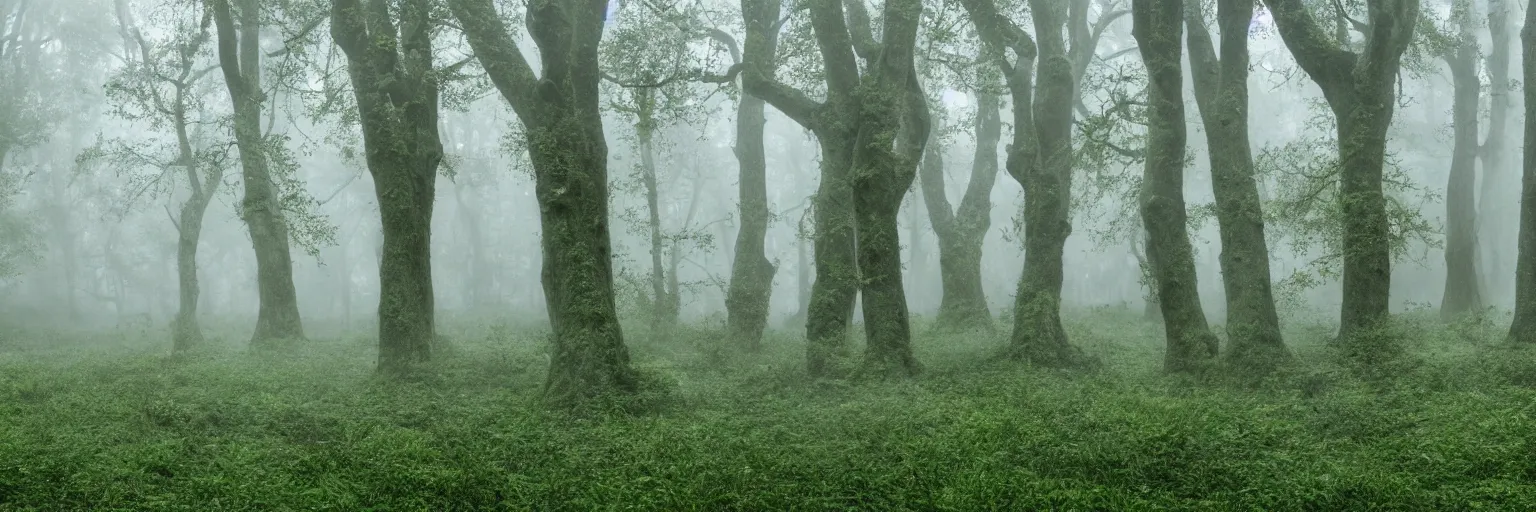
<point>663,304</point>
<point>1523,330</point>
<point>277,315</point>
<point>187,333</point>
<point>1461,279</point>
<point>1157,28</point>
<point>1221,91</point>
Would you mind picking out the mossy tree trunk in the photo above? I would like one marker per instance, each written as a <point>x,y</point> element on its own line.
<point>962,231</point>
<point>1158,25</point>
<point>1221,93</point>
<point>1462,283</point>
<point>1040,158</point>
<point>277,315</point>
<point>1523,329</point>
<point>747,299</point>
<point>1360,89</point>
<point>834,122</point>
<point>396,89</point>
<point>561,112</point>
<point>893,129</point>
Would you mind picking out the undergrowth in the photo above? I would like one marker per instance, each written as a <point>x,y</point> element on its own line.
<point>118,425</point>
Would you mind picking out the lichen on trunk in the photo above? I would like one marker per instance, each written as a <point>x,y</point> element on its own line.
<point>1255,343</point>
<point>396,91</point>
<point>1359,88</point>
<point>240,58</point>
<point>747,299</point>
<point>1157,27</point>
<point>561,112</point>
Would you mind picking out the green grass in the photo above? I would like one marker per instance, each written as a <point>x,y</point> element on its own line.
<point>89,426</point>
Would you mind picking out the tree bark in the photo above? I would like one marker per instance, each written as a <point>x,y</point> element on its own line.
<point>562,114</point>
<point>1359,90</point>
<point>277,316</point>
<point>1157,27</point>
<point>1523,329</point>
<point>962,232</point>
<point>1221,93</point>
<point>186,331</point>
<point>397,99</point>
<point>747,299</point>
<point>1040,159</point>
<point>1462,283</point>
<point>893,130</point>
<point>664,304</point>
<point>1497,193</point>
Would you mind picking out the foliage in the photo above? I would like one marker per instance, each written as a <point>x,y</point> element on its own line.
<point>1306,211</point>
<point>113,425</point>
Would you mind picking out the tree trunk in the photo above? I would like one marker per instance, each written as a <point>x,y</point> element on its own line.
<point>1158,25</point>
<point>397,101</point>
<point>664,305</point>
<point>893,129</point>
<point>836,287</point>
<point>1497,189</point>
<point>562,114</point>
<point>1360,90</point>
<point>186,332</point>
<point>961,233</point>
<point>240,57</point>
<point>1462,294</point>
<point>1221,92</point>
<point>1523,329</point>
<point>747,300</point>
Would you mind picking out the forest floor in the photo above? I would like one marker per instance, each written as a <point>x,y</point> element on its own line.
<point>1448,426</point>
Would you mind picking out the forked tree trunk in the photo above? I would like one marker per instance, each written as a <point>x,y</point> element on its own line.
<point>747,299</point>
<point>1221,92</point>
<point>893,129</point>
<point>1157,27</point>
<point>1462,283</point>
<point>834,122</point>
<point>1360,90</point>
<point>962,232</point>
<point>397,100</point>
<point>561,112</point>
<point>664,304</point>
<point>1523,329</point>
<point>240,57</point>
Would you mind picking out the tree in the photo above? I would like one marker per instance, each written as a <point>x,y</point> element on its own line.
<point>1462,293</point>
<point>396,89</point>
<point>561,114</point>
<point>160,85</point>
<point>1221,94</point>
<point>1523,328</point>
<point>747,300</point>
<point>962,230</point>
<point>239,51</point>
<point>893,127</point>
<point>1157,27</point>
<point>1359,88</point>
<point>1496,194</point>
<point>1040,159</point>
<point>833,121</point>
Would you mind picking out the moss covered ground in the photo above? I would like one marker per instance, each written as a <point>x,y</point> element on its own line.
<point>97,423</point>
